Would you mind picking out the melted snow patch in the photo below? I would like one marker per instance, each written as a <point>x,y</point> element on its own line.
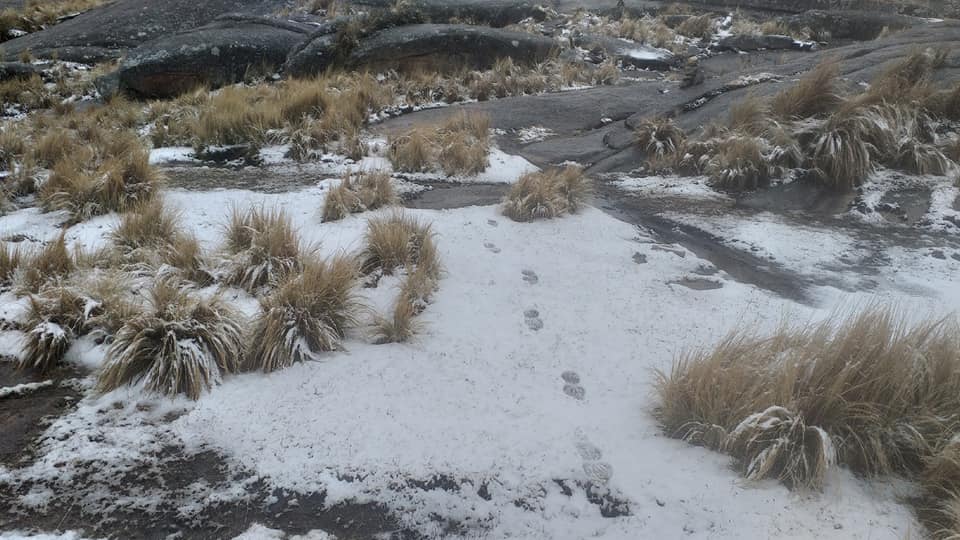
<point>669,186</point>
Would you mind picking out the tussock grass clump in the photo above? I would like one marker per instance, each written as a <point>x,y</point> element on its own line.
<point>263,247</point>
<point>458,146</point>
<point>180,345</point>
<point>907,80</point>
<point>236,116</point>
<point>543,195</point>
<point>397,241</point>
<point>738,163</point>
<point>869,392</point>
<point>53,262</point>
<point>814,94</point>
<point>358,192</point>
<point>54,319</point>
<point>399,326</point>
<point>59,314</point>
<point>308,314</point>
<point>659,137</point>
<point>697,26</point>
<point>10,259</point>
<point>150,226</point>
<point>118,184</point>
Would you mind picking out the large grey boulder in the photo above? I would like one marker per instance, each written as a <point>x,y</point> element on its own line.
<point>216,54</point>
<point>629,53</point>
<point>496,13</point>
<point>476,47</point>
<point>110,30</point>
<point>858,25</point>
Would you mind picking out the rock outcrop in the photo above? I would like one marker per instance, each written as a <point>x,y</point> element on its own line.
<point>217,54</point>
<point>110,30</point>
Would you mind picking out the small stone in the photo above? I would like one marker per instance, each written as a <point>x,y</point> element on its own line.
<point>492,222</point>
<point>661,503</point>
<point>837,526</point>
<point>639,258</point>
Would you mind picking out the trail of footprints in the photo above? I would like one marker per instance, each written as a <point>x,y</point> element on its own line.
<point>597,471</point>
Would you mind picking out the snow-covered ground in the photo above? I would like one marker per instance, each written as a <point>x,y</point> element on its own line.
<point>531,386</point>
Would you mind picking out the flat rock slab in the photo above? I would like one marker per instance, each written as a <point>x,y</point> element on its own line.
<point>108,31</point>
<point>217,54</point>
<point>629,53</point>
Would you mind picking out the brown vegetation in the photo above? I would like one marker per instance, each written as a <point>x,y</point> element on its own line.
<point>542,195</point>
<point>358,192</point>
<point>182,344</point>
<point>308,313</point>
<point>869,392</point>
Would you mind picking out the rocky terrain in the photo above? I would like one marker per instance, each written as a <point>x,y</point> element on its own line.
<point>524,405</point>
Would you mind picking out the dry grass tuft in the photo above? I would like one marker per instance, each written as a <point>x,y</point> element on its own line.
<point>698,26</point>
<point>398,241</point>
<point>358,192</point>
<point>459,146</point>
<point>309,313</point>
<point>263,246</point>
<point>840,154</point>
<point>10,259</point>
<point>59,314</point>
<point>50,264</point>
<point>116,185</point>
<point>878,395</point>
<point>738,163</point>
<point>813,95</point>
<point>659,137</point>
<point>181,345</point>
<point>544,195</point>
<point>54,319</point>
<point>150,226</point>
<point>399,326</point>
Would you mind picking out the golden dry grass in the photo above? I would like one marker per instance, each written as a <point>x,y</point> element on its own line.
<point>180,345</point>
<point>308,314</point>
<point>738,163</point>
<point>458,146</point>
<point>359,192</point>
<point>148,227</point>
<point>659,137</point>
<point>399,326</point>
<point>10,259</point>
<point>870,392</point>
<point>54,319</point>
<point>697,26</point>
<point>263,248</point>
<point>51,263</point>
<point>814,94</point>
<point>397,241</point>
<point>549,194</point>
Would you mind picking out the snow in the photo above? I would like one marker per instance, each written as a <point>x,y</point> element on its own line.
<point>173,154</point>
<point>665,186</point>
<point>479,395</point>
<point>25,388</point>
<point>259,532</point>
<point>648,53</point>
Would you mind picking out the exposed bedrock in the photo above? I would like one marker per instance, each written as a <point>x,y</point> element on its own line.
<point>108,31</point>
<point>430,45</point>
<point>222,52</point>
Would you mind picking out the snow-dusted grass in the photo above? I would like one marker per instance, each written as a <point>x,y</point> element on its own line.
<point>548,194</point>
<point>483,395</point>
<point>870,392</point>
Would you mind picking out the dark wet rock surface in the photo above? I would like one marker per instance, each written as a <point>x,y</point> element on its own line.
<point>23,418</point>
<point>762,42</point>
<point>441,195</point>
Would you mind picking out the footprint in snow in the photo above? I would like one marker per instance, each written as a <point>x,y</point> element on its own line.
<point>532,318</point>
<point>572,386</point>
<point>492,247</point>
<point>530,277</point>
<point>598,472</point>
